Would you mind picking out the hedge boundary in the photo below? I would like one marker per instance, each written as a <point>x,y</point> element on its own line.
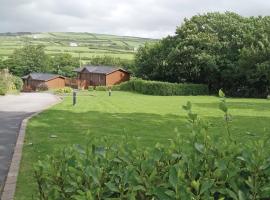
<point>163,88</point>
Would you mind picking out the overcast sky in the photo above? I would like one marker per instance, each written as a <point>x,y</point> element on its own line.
<point>146,18</point>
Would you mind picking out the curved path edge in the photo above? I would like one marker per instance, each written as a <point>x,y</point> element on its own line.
<point>9,188</point>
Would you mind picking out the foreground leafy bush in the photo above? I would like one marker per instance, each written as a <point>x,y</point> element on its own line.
<point>163,88</point>
<point>197,166</point>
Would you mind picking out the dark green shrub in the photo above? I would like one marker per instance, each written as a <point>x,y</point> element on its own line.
<point>17,82</point>
<point>164,88</point>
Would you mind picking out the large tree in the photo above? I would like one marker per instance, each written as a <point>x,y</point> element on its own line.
<point>222,50</point>
<point>64,64</point>
<point>31,58</point>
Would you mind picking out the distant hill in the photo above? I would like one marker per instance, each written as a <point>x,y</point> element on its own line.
<point>86,45</point>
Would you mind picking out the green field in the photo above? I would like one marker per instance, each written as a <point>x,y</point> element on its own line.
<point>88,44</point>
<point>151,118</point>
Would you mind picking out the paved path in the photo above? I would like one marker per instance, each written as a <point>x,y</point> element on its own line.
<point>13,109</point>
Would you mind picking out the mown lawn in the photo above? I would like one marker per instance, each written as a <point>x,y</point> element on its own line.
<point>151,118</point>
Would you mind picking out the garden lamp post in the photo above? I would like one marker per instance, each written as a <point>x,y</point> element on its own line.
<point>110,92</point>
<point>74,97</point>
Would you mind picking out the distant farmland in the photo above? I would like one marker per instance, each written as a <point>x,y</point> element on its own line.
<point>85,45</point>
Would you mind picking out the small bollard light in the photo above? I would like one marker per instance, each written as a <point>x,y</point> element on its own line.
<point>110,92</point>
<point>74,97</point>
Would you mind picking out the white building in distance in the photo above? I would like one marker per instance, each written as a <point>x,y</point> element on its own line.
<point>73,44</point>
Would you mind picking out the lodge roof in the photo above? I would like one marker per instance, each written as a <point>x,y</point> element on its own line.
<point>42,76</point>
<point>99,69</point>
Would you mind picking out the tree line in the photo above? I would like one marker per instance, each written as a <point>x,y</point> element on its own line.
<point>32,58</point>
<point>223,50</point>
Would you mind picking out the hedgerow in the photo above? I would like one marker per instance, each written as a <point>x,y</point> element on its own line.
<point>195,166</point>
<point>164,88</point>
<point>104,88</point>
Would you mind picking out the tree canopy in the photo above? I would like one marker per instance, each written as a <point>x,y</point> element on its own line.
<point>32,58</point>
<point>28,59</point>
<point>64,64</point>
<point>223,50</point>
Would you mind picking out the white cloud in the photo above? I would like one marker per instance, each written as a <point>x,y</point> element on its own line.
<point>147,18</point>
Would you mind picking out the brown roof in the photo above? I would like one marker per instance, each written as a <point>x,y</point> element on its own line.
<point>42,76</point>
<point>99,69</point>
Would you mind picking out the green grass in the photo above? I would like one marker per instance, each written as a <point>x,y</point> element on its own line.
<point>151,118</point>
<point>89,44</point>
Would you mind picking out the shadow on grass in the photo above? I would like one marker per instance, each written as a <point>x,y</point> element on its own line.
<point>151,128</point>
<point>239,105</point>
<point>72,127</point>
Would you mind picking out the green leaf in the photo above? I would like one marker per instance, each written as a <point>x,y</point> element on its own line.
<point>161,193</point>
<point>112,187</point>
<point>173,179</point>
<point>157,154</point>
<point>195,185</point>
<point>93,172</point>
<point>221,94</point>
<point>241,195</point>
<point>206,185</point>
<point>138,187</point>
<point>231,194</point>
<point>192,116</point>
<point>187,106</point>
<point>199,147</point>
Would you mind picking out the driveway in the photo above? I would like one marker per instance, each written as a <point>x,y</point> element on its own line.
<point>13,109</point>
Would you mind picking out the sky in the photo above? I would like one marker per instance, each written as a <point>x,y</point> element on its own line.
<point>143,18</point>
